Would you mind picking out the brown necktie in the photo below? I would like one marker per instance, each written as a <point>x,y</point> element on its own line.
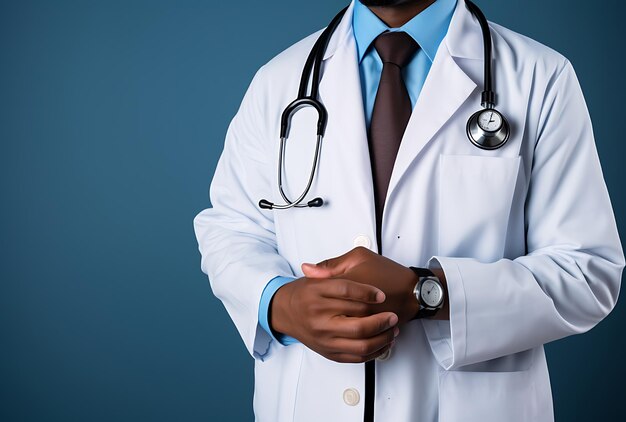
<point>392,109</point>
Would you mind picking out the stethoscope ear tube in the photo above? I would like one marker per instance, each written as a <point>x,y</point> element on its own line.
<point>297,104</point>
<point>313,64</point>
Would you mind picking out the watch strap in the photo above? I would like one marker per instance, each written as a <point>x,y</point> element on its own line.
<point>425,313</point>
<point>422,272</point>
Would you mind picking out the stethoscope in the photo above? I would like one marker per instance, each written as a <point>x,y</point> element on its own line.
<point>487,128</point>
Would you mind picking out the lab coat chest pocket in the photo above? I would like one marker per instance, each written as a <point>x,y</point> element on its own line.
<point>475,198</point>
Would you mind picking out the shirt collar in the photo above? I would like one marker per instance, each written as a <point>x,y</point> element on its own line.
<point>427,28</point>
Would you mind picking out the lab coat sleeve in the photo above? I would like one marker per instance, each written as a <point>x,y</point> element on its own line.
<point>236,238</point>
<point>570,277</point>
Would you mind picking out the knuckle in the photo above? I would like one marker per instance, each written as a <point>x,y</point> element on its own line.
<point>358,250</point>
<point>362,308</point>
<point>363,348</point>
<point>314,284</point>
<point>382,324</point>
<point>317,327</point>
<point>343,289</point>
<point>358,331</point>
<point>314,308</point>
<point>361,251</point>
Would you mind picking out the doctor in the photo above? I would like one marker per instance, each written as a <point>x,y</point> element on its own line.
<point>440,276</point>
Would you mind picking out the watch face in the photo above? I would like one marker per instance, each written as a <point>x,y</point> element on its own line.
<point>431,293</point>
<point>490,120</point>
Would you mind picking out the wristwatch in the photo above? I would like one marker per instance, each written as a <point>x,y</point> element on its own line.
<point>428,291</point>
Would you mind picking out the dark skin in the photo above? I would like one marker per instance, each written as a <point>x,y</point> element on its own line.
<point>350,308</point>
<point>396,13</point>
<point>394,280</point>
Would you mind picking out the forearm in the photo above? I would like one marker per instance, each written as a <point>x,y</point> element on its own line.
<point>238,266</point>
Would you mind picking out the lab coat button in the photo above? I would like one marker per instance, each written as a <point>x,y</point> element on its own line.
<point>351,397</point>
<point>362,240</point>
<point>385,355</point>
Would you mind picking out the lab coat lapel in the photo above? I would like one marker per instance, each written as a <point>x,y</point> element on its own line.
<point>346,135</point>
<point>446,88</point>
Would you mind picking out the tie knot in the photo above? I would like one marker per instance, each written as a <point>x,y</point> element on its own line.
<point>395,47</point>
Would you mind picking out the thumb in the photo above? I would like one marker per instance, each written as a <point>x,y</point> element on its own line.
<point>336,266</point>
<point>325,269</point>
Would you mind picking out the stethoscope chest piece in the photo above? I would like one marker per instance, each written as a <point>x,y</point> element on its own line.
<point>488,129</point>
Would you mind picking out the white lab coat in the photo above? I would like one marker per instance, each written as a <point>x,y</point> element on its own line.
<point>525,234</point>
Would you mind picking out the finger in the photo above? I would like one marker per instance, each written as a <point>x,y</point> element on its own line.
<point>364,348</point>
<point>333,267</point>
<point>349,308</point>
<point>313,271</point>
<point>350,358</point>
<point>340,288</point>
<point>363,327</point>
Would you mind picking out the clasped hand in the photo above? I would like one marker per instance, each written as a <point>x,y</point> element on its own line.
<point>348,308</point>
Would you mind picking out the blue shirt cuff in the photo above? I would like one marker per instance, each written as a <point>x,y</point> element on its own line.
<point>264,308</point>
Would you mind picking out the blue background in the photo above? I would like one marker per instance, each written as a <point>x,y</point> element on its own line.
<point>112,118</point>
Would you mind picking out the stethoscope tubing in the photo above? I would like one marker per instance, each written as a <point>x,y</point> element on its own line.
<point>313,63</point>
<point>479,137</point>
<point>298,201</point>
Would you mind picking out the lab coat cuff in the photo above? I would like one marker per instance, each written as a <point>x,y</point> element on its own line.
<point>448,338</point>
<point>264,307</point>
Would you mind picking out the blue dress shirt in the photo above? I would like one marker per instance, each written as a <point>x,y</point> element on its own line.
<point>428,29</point>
